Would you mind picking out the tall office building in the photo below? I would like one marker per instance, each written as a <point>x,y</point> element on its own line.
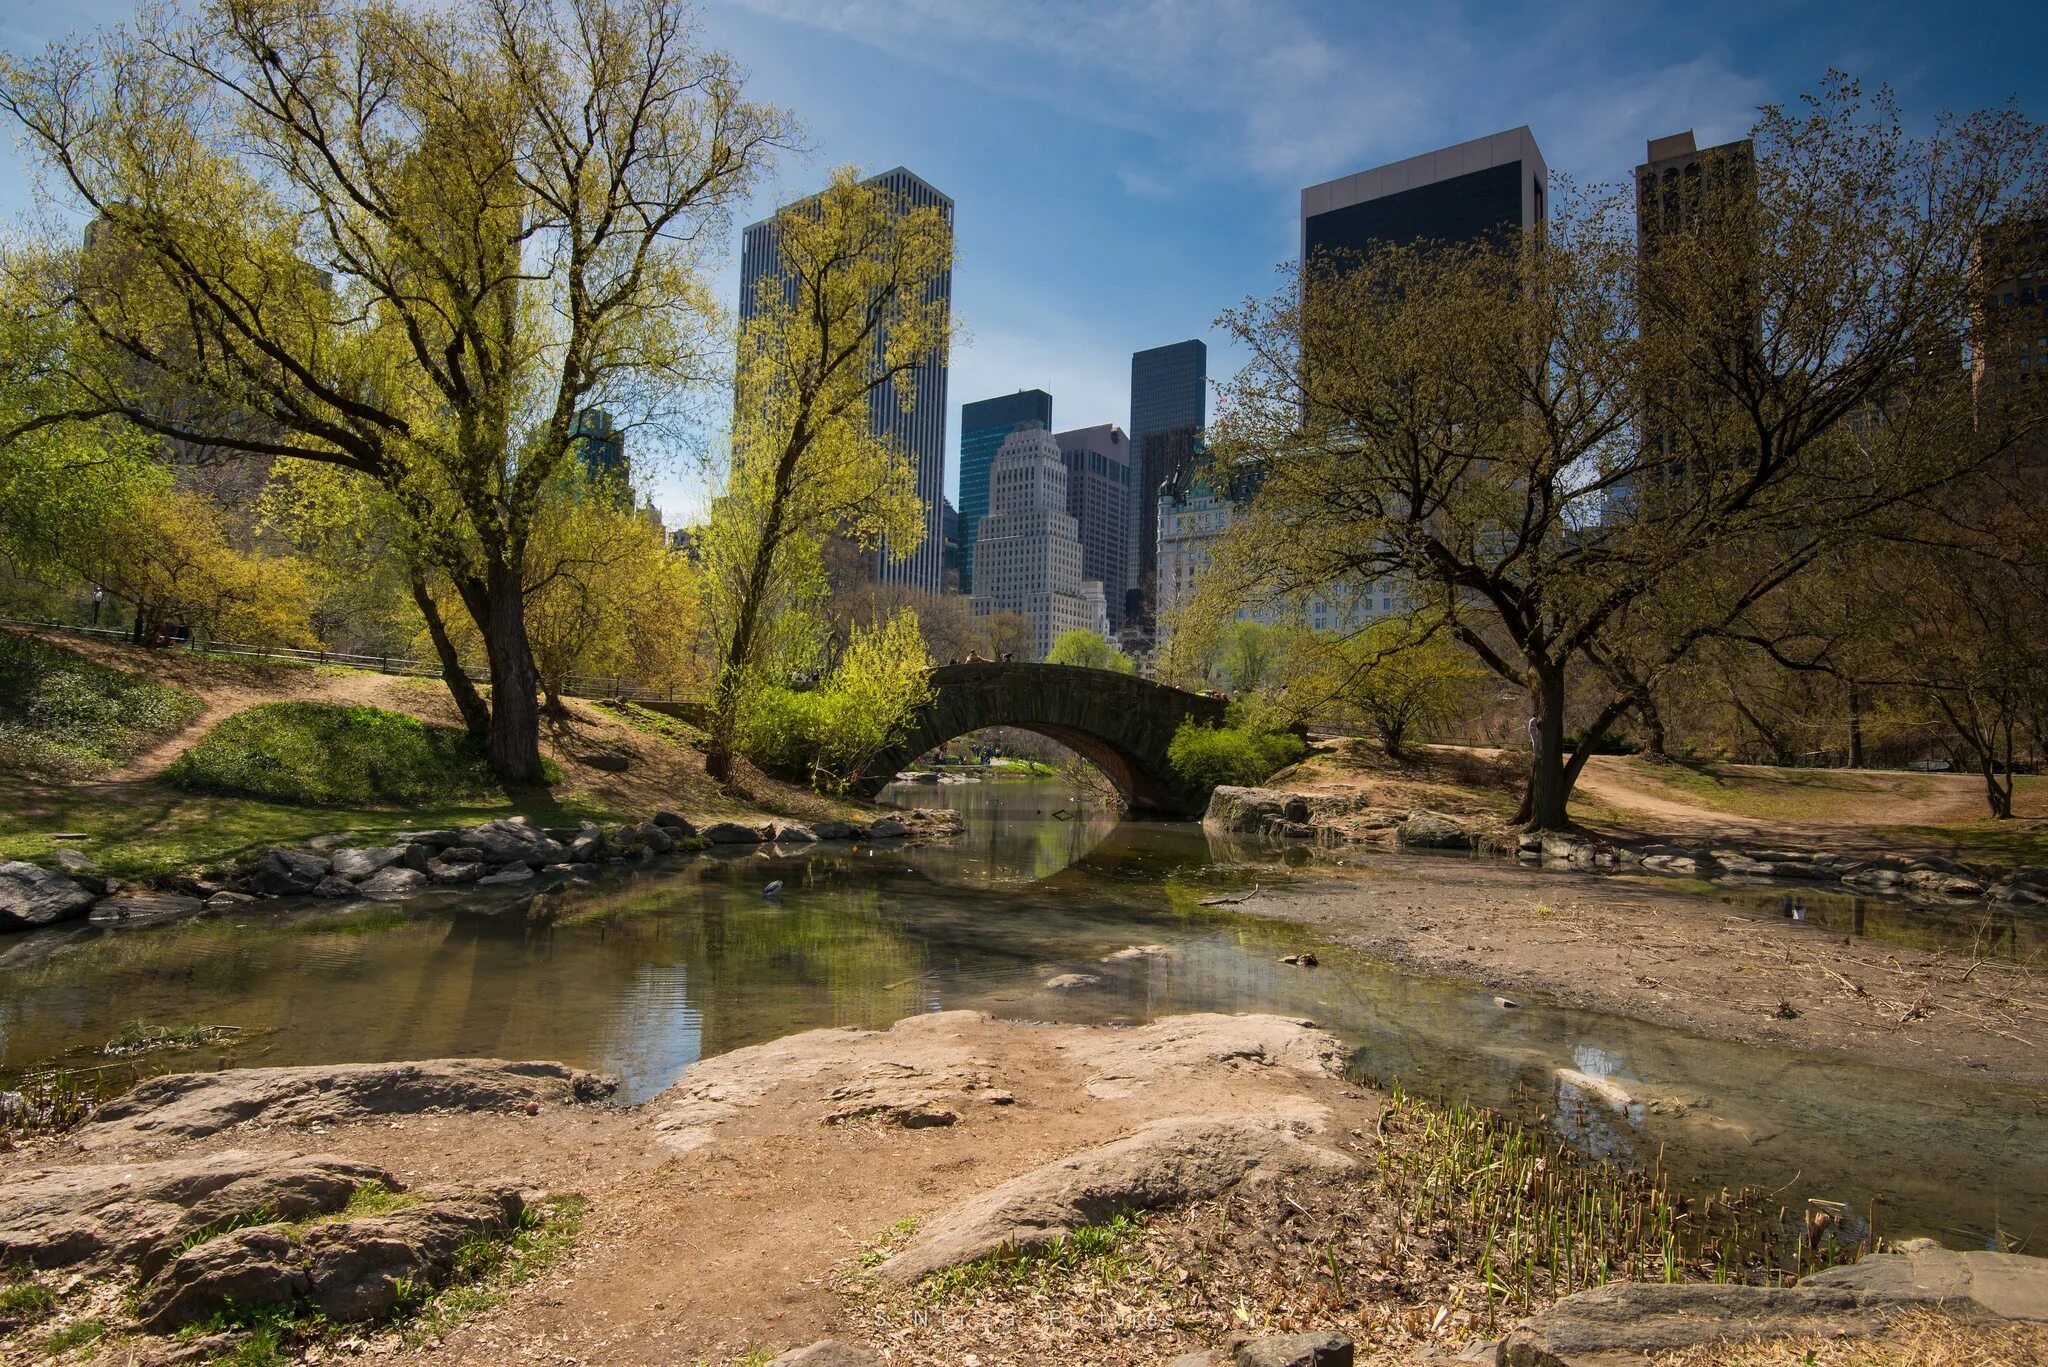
<point>1027,555</point>
<point>1169,409</point>
<point>1466,193</point>
<point>1098,461</point>
<point>984,425</point>
<point>920,430</point>
<point>599,447</point>
<point>2011,322</point>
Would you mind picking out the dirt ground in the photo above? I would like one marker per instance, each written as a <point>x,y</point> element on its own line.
<point>1976,1007</point>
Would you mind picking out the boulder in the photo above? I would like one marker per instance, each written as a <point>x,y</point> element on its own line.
<point>192,1105</point>
<point>731,833</point>
<point>334,885</point>
<point>445,869</point>
<point>388,885</point>
<point>827,1353</point>
<point>2008,1285</point>
<point>146,908</point>
<point>1072,982</point>
<point>887,828</point>
<point>356,865</point>
<point>1434,831</point>
<point>836,830</point>
<point>1681,865</point>
<point>357,1268</point>
<point>1245,811</point>
<point>506,841</point>
<point>795,833</point>
<point>511,873</point>
<point>588,847</point>
<point>1294,1350</point>
<point>1943,883</point>
<point>32,896</point>
<point>226,898</point>
<point>1164,1163</point>
<point>73,861</point>
<point>656,837</point>
<point>433,840</point>
<point>285,871</point>
<point>674,824</point>
<point>247,1270</point>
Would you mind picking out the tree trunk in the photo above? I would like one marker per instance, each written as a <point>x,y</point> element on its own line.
<point>1549,790</point>
<point>476,713</point>
<point>725,699</point>
<point>1652,717</point>
<point>513,741</point>
<point>1855,726</point>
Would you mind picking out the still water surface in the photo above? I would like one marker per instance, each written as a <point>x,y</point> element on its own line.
<point>648,968</point>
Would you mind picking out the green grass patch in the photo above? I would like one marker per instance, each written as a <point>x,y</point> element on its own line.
<point>25,1302</point>
<point>76,1334</point>
<point>1988,841</point>
<point>63,716</point>
<point>1105,1250</point>
<point>645,719</point>
<point>327,754</point>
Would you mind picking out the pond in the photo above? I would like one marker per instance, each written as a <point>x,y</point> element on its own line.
<point>646,968</point>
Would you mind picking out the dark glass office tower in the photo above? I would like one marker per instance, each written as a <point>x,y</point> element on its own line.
<point>1098,463</point>
<point>921,430</point>
<point>1478,189</point>
<point>1169,409</point>
<point>983,425</point>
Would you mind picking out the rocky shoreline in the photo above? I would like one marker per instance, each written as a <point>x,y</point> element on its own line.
<point>510,850</point>
<point>834,1195</point>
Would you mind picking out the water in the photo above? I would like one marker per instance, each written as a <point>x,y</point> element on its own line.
<point>646,969</point>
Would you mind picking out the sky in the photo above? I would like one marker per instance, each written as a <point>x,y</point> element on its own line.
<point>1124,170</point>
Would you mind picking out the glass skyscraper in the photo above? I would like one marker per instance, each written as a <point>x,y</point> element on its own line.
<point>1475,190</point>
<point>920,430</point>
<point>983,426</point>
<point>1169,409</point>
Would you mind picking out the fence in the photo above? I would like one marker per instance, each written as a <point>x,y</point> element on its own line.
<point>574,685</point>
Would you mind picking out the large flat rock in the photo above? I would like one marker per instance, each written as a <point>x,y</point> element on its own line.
<point>193,1105</point>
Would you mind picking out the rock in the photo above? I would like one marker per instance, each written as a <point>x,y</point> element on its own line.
<point>2009,1285</point>
<point>32,896</point>
<point>433,840</point>
<point>731,833</point>
<point>1245,811</point>
<point>674,824</point>
<point>446,870</point>
<point>146,908</point>
<point>1072,982</point>
<point>1944,883</point>
<point>655,837</point>
<point>334,885</point>
<point>1295,1350</point>
<point>587,848</point>
<point>1167,1162</point>
<point>1683,865</point>
<point>141,1213</point>
<point>1294,807</point>
<point>356,865</point>
<point>391,884</point>
<point>73,861</point>
<point>511,873</point>
<point>1881,879</point>
<point>827,1353</point>
<point>247,1270</point>
<point>285,871</point>
<point>192,1105</point>
<point>506,841</point>
<point>836,830</point>
<point>1136,953</point>
<point>887,828</point>
<point>795,833</point>
<point>358,1267</point>
<point>1434,831</point>
<point>228,899</point>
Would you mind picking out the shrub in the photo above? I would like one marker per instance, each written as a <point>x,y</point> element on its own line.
<point>63,716</point>
<point>325,754</point>
<point>1209,756</point>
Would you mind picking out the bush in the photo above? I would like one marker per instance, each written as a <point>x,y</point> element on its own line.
<point>325,754</point>
<point>1210,756</point>
<point>62,716</point>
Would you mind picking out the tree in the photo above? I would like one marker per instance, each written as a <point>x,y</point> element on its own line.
<point>1588,457</point>
<point>853,314</point>
<point>410,241</point>
<point>167,553</point>
<point>1398,675</point>
<point>831,734</point>
<point>1006,635</point>
<point>1088,650</point>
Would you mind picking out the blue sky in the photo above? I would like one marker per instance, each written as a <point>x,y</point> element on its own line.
<point>1124,169</point>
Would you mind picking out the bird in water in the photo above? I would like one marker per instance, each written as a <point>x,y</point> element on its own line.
<point>774,889</point>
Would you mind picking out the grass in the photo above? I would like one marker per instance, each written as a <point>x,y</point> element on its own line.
<point>661,724</point>
<point>63,716</point>
<point>330,754</point>
<point>140,1037</point>
<point>1768,793</point>
<point>76,1334</point>
<point>25,1302</point>
<point>2017,842</point>
<point>1103,1250</point>
<point>487,1272</point>
<point>54,1100</point>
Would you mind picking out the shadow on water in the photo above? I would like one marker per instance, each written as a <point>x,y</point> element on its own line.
<point>642,969</point>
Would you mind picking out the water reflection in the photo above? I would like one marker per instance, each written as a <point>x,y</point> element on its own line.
<point>642,970</point>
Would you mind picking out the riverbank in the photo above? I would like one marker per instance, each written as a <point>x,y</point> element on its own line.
<point>1972,1004</point>
<point>951,1190</point>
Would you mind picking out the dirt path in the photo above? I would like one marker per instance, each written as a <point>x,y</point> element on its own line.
<point>225,699</point>
<point>1838,804</point>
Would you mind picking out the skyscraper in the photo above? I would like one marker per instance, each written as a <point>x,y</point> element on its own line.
<point>1098,463</point>
<point>920,430</point>
<point>984,424</point>
<point>600,448</point>
<point>1027,555</point>
<point>1169,409</point>
<point>1465,193</point>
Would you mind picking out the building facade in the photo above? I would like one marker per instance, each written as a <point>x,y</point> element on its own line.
<point>1477,190</point>
<point>984,425</point>
<point>1027,553</point>
<point>1169,409</point>
<point>2012,323</point>
<point>1098,461</point>
<point>919,431</point>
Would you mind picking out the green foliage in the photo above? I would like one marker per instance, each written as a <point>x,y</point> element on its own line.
<point>830,734</point>
<point>1397,676</point>
<point>1208,756</point>
<point>1103,1249</point>
<point>25,1301</point>
<point>1089,650</point>
<point>326,754</point>
<point>76,1334</point>
<point>62,716</point>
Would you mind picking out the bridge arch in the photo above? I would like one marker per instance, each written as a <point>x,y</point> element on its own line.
<point>1120,723</point>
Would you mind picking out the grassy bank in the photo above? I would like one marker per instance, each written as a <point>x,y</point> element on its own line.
<point>331,755</point>
<point>64,716</point>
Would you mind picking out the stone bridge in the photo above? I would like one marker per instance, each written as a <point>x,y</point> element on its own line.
<point>1120,723</point>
